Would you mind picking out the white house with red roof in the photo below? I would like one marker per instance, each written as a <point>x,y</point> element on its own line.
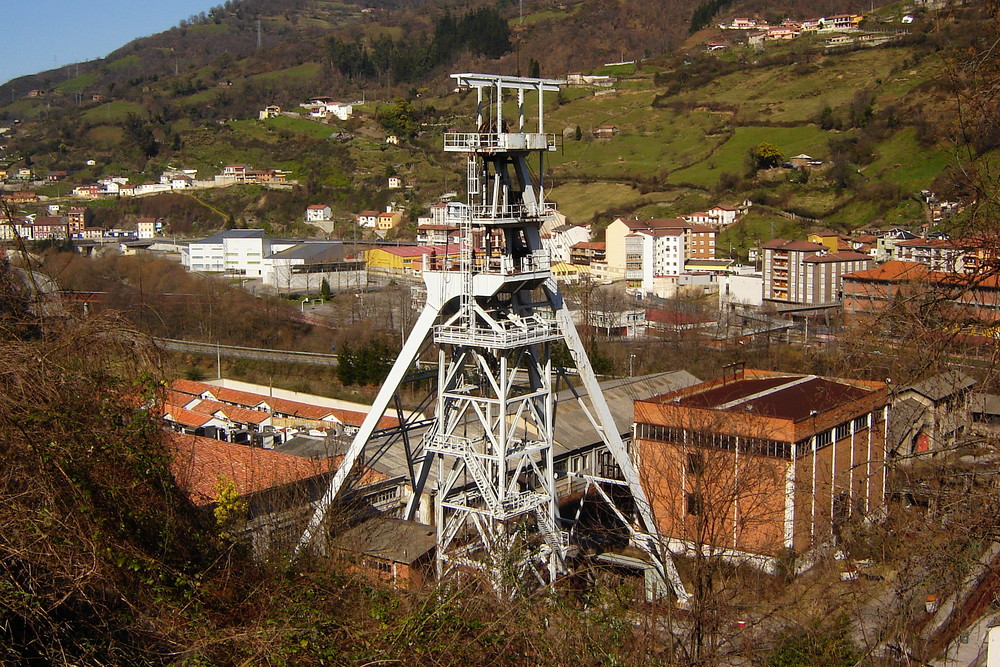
<point>318,213</point>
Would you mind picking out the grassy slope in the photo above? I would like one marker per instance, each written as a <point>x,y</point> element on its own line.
<point>895,161</point>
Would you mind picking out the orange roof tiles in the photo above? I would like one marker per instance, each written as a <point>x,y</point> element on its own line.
<point>232,412</point>
<point>250,400</point>
<point>892,271</point>
<point>200,463</point>
<point>185,417</point>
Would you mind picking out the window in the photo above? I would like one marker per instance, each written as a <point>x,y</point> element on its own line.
<point>823,439</point>
<point>861,423</point>
<point>843,430</point>
<point>695,463</point>
<point>694,504</point>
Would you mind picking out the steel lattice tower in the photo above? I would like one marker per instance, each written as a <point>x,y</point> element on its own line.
<point>495,314</point>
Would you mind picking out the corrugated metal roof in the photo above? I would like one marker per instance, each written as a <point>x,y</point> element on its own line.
<point>792,397</point>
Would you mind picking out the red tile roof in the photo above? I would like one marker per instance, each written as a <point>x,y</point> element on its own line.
<point>892,271</point>
<point>232,412</point>
<point>200,463</point>
<point>185,417</point>
<point>246,399</point>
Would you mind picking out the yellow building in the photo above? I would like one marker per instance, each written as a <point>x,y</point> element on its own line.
<point>389,220</point>
<point>411,259</point>
<point>569,273</point>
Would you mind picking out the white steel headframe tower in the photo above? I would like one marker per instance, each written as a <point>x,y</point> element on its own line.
<point>495,313</point>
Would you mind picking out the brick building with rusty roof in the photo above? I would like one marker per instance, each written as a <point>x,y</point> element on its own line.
<point>761,463</point>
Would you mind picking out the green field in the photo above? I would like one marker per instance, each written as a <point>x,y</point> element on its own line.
<point>302,72</point>
<point>105,136</point>
<point>651,141</point>
<point>112,112</point>
<point>123,63</point>
<point>309,128</point>
<point>77,83</point>
<point>731,156</point>
<point>580,201</point>
<point>798,94</point>
<point>900,159</point>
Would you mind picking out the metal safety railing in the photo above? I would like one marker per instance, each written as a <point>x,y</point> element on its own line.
<point>529,331</point>
<point>499,141</point>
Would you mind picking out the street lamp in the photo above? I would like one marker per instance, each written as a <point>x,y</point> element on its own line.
<point>631,359</point>
<point>304,302</point>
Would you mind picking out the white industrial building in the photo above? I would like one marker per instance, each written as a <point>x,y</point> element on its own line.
<point>238,252</point>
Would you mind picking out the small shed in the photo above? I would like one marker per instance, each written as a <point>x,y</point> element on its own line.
<point>392,550</point>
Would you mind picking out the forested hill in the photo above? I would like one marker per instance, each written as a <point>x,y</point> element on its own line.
<point>404,41</point>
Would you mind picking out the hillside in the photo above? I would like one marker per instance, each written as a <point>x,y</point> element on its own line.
<point>190,96</point>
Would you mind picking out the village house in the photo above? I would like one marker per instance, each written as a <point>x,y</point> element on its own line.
<point>49,227</point>
<point>270,111</point>
<point>368,219</point>
<point>395,182</point>
<point>605,131</point>
<point>760,463</point>
<point>936,254</point>
<point>388,220</point>
<point>19,197</point>
<point>325,107</point>
<point>436,234</point>
<point>558,237</point>
<point>775,33</point>
<point>718,216</point>
<point>643,250</point>
<point>585,252</point>
<point>318,213</point>
<point>840,22</point>
<point>740,24</point>
<point>146,228</point>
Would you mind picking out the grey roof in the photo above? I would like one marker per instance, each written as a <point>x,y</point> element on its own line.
<point>942,385</point>
<point>902,418</point>
<point>308,446</point>
<point>985,404</point>
<point>326,251</point>
<point>573,429</point>
<point>395,540</point>
<point>218,237</point>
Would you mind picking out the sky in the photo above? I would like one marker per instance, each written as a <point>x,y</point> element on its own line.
<point>40,35</point>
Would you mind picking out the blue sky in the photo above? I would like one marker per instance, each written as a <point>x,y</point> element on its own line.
<point>39,35</point>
